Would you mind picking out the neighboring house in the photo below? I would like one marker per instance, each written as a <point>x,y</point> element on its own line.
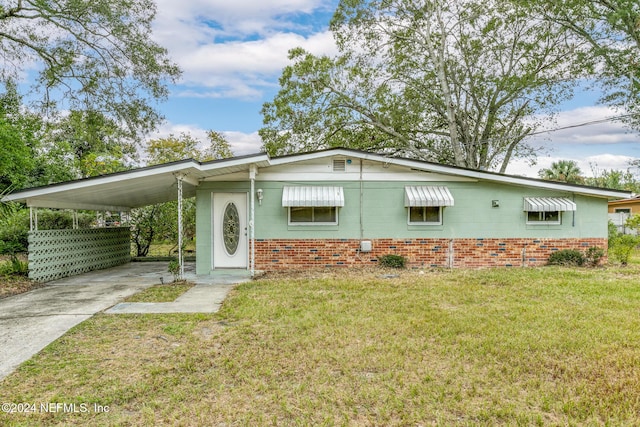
<point>338,208</point>
<point>629,206</point>
<point>621,210</point>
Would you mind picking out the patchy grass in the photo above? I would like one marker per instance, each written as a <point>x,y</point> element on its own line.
<point>540,346</point>
<point>161,293</point>
<point>168,248</point>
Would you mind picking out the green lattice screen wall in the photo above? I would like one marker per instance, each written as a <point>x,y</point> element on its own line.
<point>54,254</point>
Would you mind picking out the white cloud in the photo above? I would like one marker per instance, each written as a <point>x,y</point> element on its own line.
<point>237,13</point>
<point>598,163</point>
<point>243,143</point>
<point>236,49</point>
<point>522,167</point>
<point>587,136</point>
<point>587,126</point>
<point>589,165</point>
<point>208,64</point>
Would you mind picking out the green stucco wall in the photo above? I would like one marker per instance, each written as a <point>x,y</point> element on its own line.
<point>385,216</point>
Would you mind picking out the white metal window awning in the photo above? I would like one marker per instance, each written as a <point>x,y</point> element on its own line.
<point>312,196</point>
<point>548,204</point>
<point>427,195</point>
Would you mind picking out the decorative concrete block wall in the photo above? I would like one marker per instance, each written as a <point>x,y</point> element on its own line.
<point>275,254</point>
<point>54,254</point>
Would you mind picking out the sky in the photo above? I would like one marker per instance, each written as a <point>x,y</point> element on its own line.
<point>232,54</point>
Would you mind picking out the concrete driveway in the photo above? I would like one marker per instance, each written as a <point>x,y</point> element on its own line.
<point>30,321</point>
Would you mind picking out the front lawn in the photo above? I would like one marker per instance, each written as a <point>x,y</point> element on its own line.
<point>540,346</point>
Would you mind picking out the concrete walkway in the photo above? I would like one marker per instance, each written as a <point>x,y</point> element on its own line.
<point>205,297</point>
<point>32,320</point>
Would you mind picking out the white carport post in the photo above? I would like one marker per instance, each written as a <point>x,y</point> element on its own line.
<point>253,171</point>
<point>179,178</point>
<point>33,218</point>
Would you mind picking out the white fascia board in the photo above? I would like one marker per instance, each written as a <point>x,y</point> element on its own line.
<point>510,179</point>
<point>260,160</point>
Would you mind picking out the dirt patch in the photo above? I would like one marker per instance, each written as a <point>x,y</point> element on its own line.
<point>16,285</point>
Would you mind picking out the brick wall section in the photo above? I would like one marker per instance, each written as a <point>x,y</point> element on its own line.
<point>275,254</point>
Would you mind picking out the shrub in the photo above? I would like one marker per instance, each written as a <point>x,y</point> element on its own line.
<point>19,267</point>
<point>593,256</point>
<point>6,269</point>
<point>13,267</point>
<point>174,268</point>
<point>613,233</point>
<point>393,261</point>
<point>568,257</point>
<point>622,247</point>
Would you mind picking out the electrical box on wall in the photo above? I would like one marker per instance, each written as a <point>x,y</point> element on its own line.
<point>365,246</point>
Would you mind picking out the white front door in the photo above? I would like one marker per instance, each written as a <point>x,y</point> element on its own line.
<point>229,228</point>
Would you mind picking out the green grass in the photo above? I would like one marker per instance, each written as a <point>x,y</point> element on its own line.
<point>164,248</point>
<point>546,346</point>
<point>161,293</point>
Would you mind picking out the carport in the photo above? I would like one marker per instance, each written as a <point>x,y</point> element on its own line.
<point>54,254</point>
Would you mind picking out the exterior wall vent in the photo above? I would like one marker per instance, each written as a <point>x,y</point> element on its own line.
<point>339,165</point>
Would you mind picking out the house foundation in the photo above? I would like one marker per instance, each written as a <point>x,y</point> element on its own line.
<point>276,254</point>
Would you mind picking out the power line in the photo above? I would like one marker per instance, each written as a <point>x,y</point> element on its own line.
<point>589,123</point>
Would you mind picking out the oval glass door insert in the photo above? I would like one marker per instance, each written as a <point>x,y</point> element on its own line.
<point>231,228</point>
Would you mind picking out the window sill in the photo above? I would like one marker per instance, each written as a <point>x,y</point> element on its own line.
<point>422,227</point>
<point>313,227</point>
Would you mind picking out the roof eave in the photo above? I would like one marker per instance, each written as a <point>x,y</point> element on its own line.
<point>458,171</point>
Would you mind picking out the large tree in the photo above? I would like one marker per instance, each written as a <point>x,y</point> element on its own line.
<point>610,33</point>
<point>18,141</point>
<point>454,82</point>
<point>81,144</point>
<point>94,55</point>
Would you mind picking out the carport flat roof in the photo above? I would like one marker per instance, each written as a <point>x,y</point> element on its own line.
<point>123,191</point>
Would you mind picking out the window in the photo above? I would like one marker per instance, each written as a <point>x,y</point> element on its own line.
<point>547,210</point>
<point>320,215</point>
<point>425,215</point>
<point>623,210</point>
<point>425,204</point>
<point>311,205</point>
<point>536,217</point>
